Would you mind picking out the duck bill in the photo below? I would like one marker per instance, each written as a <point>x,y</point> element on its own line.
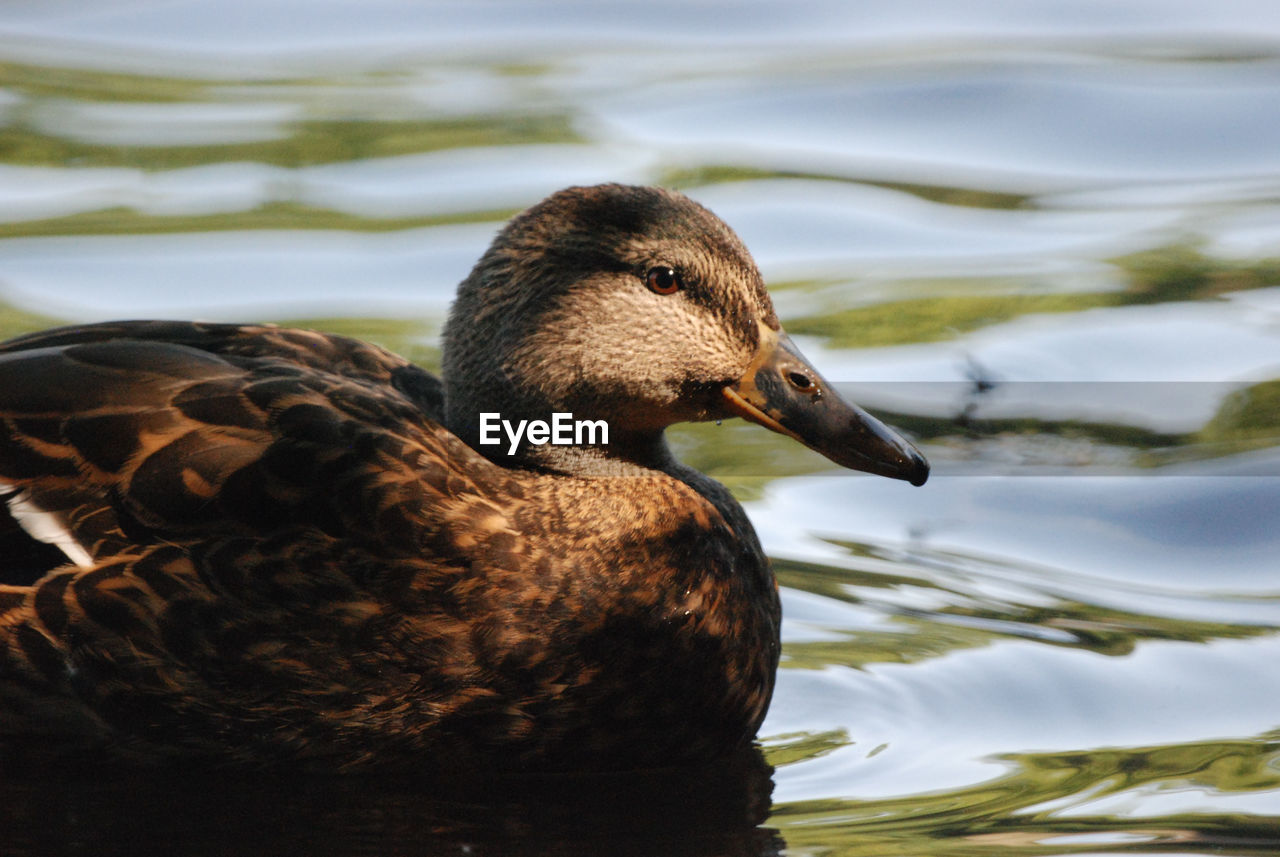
<point>782,392</point>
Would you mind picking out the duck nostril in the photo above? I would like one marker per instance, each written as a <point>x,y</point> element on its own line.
<point>800,381</point>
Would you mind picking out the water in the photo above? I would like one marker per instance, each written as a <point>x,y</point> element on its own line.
<point>1044,238</point>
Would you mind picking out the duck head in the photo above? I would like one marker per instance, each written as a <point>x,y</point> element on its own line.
<point>639,307</point>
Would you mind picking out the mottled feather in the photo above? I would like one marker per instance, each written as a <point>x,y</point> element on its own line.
<point>295,562</point>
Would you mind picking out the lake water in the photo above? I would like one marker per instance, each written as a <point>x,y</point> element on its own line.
<point>1042,237</point>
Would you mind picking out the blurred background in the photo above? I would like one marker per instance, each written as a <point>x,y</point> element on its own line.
<point>1042,237</point>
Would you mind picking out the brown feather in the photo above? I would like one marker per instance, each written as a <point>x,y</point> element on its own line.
<point>294,560</point>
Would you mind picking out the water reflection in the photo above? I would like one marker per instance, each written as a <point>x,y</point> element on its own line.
<point>713,811</point>
<point>243,275</point>
<point>1006,124</point>
<point>1021,812</point>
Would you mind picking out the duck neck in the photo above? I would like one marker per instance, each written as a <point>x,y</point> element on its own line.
<point>563,443</point>
<point>625,454</point>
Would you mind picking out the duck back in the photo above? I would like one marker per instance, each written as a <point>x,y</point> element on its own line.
<point>258,545</point>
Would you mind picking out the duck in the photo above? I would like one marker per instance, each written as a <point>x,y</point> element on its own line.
<point>250,545</point>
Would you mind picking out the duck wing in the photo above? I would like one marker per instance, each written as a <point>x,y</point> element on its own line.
<point>324,352</point>
<point>116,436</point>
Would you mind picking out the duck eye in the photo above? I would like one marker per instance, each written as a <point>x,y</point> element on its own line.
<point>663,281</point>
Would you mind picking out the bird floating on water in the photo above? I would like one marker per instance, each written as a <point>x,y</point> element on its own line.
<point>252,545</point>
